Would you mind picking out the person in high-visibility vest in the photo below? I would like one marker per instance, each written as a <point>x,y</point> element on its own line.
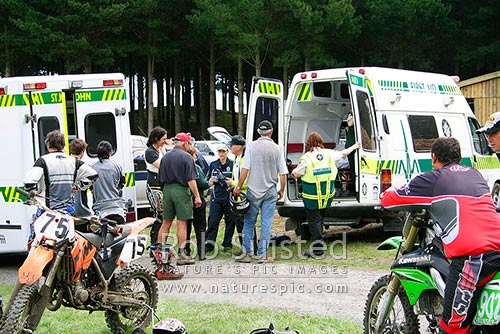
<point>317,171</point>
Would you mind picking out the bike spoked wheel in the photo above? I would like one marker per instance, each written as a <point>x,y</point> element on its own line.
<point>137,282</point>
<point>401,317</point>
<point>17,317</point>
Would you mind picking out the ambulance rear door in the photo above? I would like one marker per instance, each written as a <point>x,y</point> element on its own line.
<point>368,157</point>
<point>97,107</point>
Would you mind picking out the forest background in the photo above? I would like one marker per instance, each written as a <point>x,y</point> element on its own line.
<point>191,48</point>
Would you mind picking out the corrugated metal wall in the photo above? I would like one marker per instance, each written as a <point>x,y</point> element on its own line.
<point>484,92</point>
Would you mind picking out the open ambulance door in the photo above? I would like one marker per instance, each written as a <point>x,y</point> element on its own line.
<point>266,103</point>
<point>368,156</point>
<point>97,109</point>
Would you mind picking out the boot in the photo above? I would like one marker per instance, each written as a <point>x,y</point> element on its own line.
<point>167,272</point>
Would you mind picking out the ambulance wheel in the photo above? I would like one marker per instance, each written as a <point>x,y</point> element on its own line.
<point>495,194</point>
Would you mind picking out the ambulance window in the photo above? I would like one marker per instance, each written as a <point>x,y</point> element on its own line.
<point>45,125</point>
<point>479,139</point>
<point>367,133</point>
<point>344,91</point>
<point>266,109</point>
<point>424,132</point>
<point>99,127</point>
<point>322,89</point>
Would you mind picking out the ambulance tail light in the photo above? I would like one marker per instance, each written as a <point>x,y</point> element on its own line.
<point>385,179</point>
<point>130,216</point>
<point>112,82</point>
<point>35,86</point>
<point>2,91</point>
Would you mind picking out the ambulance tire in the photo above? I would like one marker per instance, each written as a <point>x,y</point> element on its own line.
<point>495,193</point>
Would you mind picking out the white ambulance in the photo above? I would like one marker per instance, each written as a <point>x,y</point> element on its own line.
<point>92,107</point>
<point>397,116</point>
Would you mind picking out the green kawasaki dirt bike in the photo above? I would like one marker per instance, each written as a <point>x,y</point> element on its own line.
<point>416,285</point>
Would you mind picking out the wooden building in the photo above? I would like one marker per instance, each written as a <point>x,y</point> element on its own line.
<point>483,94</point>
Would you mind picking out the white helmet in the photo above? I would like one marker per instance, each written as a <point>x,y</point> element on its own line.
<point>169,326</point>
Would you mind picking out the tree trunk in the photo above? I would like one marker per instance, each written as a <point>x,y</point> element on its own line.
<point>285,82</point>
<point>230,86</point>
<point>160,107</point>
<point>212,84</point>
<point>140,100</point>
<point>258,65</point>
<point>177,98</point>
<point>241,129</point>
<point>204,100</point>
<point>149,90</point>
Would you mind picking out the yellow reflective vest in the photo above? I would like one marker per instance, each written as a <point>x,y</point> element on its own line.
<point>318,183</point>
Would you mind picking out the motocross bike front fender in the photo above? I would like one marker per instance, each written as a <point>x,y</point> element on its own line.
<point>390,243</point>
<point>32,268</point>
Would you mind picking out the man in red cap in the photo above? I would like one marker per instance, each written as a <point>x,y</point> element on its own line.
<point>178,175</point>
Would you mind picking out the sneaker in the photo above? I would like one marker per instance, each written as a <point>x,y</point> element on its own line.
<point>227,248</point>
<point>264,259</point>
<point>243,258</point>
<point>184,259</point>
<point>169,273</point>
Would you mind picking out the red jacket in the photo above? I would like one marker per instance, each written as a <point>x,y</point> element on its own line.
<point>459,201</point>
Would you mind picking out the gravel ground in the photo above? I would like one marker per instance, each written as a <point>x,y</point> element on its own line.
<point>305,288</point>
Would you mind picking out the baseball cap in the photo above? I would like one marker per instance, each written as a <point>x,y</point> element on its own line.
<point>183,137</point>
<point>237,140</point>
<point>265,125</point>
<point>492,124</point>
<point>222,147</point>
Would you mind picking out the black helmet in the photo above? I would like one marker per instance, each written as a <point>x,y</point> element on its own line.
<point>239,205</point>
<point>169,326</point>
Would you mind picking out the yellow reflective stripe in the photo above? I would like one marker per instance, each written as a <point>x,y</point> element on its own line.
<point>7,101</point>
<point>487,162</point>
<point>10,195</point>
<point>370,166</point>
<point>113,94</point>
<point>37,98</point>
<point>268,87</point>
<point>304,92</point>
<point>129,179</point>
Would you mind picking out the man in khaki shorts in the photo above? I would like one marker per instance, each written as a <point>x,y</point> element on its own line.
<point>178,175</point>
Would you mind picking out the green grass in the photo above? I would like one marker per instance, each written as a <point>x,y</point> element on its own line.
<point>199,318</point>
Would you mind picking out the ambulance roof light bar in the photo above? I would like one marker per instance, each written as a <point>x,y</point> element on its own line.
<point>34,86</point>
<point>112,82</point>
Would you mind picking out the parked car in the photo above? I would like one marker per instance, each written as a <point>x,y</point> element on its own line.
<point>208,148</point>
<point>141,175</point>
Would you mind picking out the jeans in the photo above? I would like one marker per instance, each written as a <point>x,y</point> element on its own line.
<point>266,204</point>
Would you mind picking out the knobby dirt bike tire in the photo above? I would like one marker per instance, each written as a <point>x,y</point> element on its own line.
<point>16,318</point>
<point>410,325</point>
<point>128,318</point>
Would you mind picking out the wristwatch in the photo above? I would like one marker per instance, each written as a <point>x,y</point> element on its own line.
<point>238,187</point>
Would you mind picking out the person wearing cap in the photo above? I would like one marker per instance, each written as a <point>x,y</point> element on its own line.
<point>237,146</point>
<point>263,166</point>
<point>107,189</point>
<point>178,175</point>
<point>492,131</point>
<point>219,172</point>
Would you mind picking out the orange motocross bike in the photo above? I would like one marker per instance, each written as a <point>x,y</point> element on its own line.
<point>84,271</point>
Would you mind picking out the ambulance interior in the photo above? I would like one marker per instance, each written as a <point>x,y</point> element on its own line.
<point>325,112</point>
